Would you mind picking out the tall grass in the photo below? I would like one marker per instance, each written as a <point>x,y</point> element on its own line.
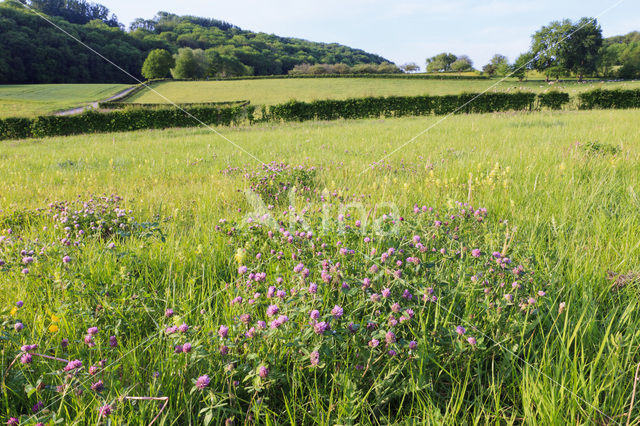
<point>571,212</point>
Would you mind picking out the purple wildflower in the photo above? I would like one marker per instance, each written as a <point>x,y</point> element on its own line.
<point>92,330</point>
<point>26,358</point>
<point>97,386</point>
<point>460,330</point>
<point>263,371</point>
<point>320,327</point>
<point>223,332</point>
<point>202,382</point>
<point>272,310</point>
<point>72,365</point>
<point>18,326</point>
<point>337,311</point>
<point>390,337</point>
<point>472,341</point>
<point>105,410</point>
<point>186,348</point>
<point>113,341</point>
<point>315,358</point>
<point>37,406</point>
<point>168,313</point>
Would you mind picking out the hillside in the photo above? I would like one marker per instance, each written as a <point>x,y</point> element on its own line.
<point>36,52</point>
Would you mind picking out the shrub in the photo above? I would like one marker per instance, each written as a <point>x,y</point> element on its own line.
<point>553,99</point>
<point>123,120</point>
<point>397,106</point>
<point>614,99</point>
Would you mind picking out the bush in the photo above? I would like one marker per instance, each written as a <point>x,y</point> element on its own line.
<point>553,99</point>
<point>398,106</point>
<point>610,99</point>
<point>122,121</point>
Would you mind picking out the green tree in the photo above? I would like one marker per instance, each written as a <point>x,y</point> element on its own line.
<point>441,62</point>
<point>410,67</point>
<point>521,66</point>
<point>546,48</point>
<point>463,63</point>
<point>186,65</point>
<point>579,51</point>
<point>158,64</point>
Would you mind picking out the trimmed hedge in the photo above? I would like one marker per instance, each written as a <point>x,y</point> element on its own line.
<point>121,121</point>
<point>610,99</point>
<point>123,105</point>
<point>553,99</point>
<point>398,106</point>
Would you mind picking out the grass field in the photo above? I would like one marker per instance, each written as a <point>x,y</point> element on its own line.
<point>282,90</point>
<point>561,193</point>
<point>28,100</point>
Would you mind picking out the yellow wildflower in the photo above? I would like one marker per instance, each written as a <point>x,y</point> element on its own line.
<point>53,328</point>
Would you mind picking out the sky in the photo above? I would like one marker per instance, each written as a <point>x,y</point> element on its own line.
<point>400,30</point>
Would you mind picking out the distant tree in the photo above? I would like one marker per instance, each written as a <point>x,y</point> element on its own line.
<point>463,63</point>
<point>387,68</point>
<point>521,66</point>
<point>441,62</point>
<point>579,51</point>
<point>158,64</point>
<point>547,48</point>
<point>187,65</point>
<point>410,67</point>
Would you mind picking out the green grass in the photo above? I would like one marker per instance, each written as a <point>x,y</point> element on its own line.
<point>28,100</point>
<point>307,89</point>
<point>572,211</point>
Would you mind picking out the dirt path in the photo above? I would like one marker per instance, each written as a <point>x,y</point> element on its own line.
<point>94,105</point>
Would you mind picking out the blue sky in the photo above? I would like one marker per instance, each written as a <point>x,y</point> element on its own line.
<point>400,30</point>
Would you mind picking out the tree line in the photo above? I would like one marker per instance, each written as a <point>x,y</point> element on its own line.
<point>559,49</point>
<point>35,52</point>
<point>189,47</point>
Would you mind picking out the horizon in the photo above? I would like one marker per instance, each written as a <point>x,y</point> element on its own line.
<point>397,31</point>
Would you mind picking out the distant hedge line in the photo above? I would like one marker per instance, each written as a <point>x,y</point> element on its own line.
<point>372,107</point>
<point>610,99</point>
<point>398,106</point>
<point>123,105</point>
<point>121,121</point>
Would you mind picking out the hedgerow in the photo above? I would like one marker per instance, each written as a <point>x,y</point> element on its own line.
<point>398,106</point>
<point>553,99</point>
<point>122,121</point>
<point>610,99</point>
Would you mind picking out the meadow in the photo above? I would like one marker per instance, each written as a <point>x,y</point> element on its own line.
<point>269,92</point>
<point>487,272</point>
<point>30,100</point>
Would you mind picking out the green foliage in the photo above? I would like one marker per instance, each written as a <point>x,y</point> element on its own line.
<point>122,121</point>
<point>606,99</point>
<point>553,99</point>
<point>189,64</point>
<point>36,52</point>
<point>76,11</point>
<point>595,148</point>
<point>344,69</point>
<point>580,50</point>
<point>461,64</point>
<point>158,64</point>
<point>441,62</point>
<point>521,66</point>
<point>263,54</point>
<point>499,65</point>
<point>563,47</point>
<point>33,52</point>
<point>398,106</point>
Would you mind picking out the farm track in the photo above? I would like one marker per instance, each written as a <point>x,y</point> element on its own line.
<point>94,105</point>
